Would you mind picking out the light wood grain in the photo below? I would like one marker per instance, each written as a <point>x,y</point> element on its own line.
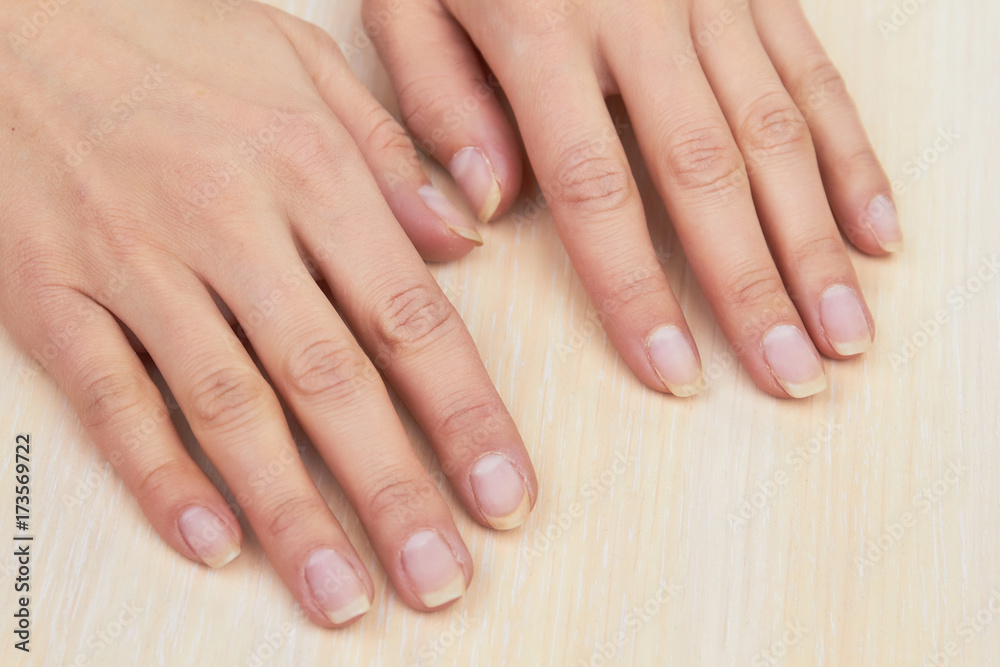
<point>638,488</point>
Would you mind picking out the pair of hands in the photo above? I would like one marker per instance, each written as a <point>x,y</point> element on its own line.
<point>173,170</point>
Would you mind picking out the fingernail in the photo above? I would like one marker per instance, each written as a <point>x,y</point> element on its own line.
<point>208,536</point>
<point>432,568</point>
<point>675,361</point>
<point>793,361</point>
<point>500,492</point>
<point>336,587</point>
<point>474,174</point>
<point>884,222</point>
<point>454,219</point>
<point>844,321</point>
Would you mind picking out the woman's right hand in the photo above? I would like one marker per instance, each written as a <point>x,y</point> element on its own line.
<point>163,156</point>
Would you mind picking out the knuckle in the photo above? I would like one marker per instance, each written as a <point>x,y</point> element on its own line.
<point>326,367</point>
<point>703,158</point>
<point>471,418</point>
<point>228,396</point>
<point>117,230</point>
<point>752,288</point>
<point>284,514</point>
<point>386,135</point>
<point>774,125</point>
<point>398,497</point>
<point>34,264</point>
<point>820,251</point>
<point>159,481</point>
<point>861,161</point>
<point>545,21</point>
<point>820,82</point>
<point>590,179</point>
<point>631,290</point>
<point>309,153</point>
<point>411,319</point>
<point>422,99</point>
<point>110,397</point>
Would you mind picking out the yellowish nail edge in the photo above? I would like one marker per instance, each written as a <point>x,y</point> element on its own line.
<point>515,518</point>
<point>216,562</point>
<point>469,234</point>
<point>805,389</point>
<point>452,590</point>
<point>492,201</point>
<point>852,348</point>
<point>360,605</point>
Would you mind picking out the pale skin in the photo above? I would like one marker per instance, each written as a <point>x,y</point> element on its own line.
<point>174,177</point>
<point>733,103</point>
<point>157,159</point>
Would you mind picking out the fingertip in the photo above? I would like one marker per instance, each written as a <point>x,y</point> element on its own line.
<point>881,219</point>
<point>675,361</point>
<point>845,321</point>
<point>474,173</point>
<point>341,591</point>
<point>437,228</point>
<point>501,492</point>
<point>794,362</point>
<point>454,221</point>
<point>438,573</point>
<point>490,178</point>
<point>212,536</point>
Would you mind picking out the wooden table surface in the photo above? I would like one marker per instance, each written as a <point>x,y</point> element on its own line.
<point>859,527</point>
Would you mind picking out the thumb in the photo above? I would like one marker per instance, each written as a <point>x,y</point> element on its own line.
<point>447,100</point>
<point>438,229</point>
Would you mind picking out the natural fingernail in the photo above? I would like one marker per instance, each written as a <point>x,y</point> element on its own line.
<point>454,219</point>
<point>336,587</point>
<point>500,492</point>
<point>793,361</point>
<point>844,321</point>
<point>208,536</point>
<point>432,568</point>
<point>675,361</point>
<point>474,174</point>
<point>881,216</point>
